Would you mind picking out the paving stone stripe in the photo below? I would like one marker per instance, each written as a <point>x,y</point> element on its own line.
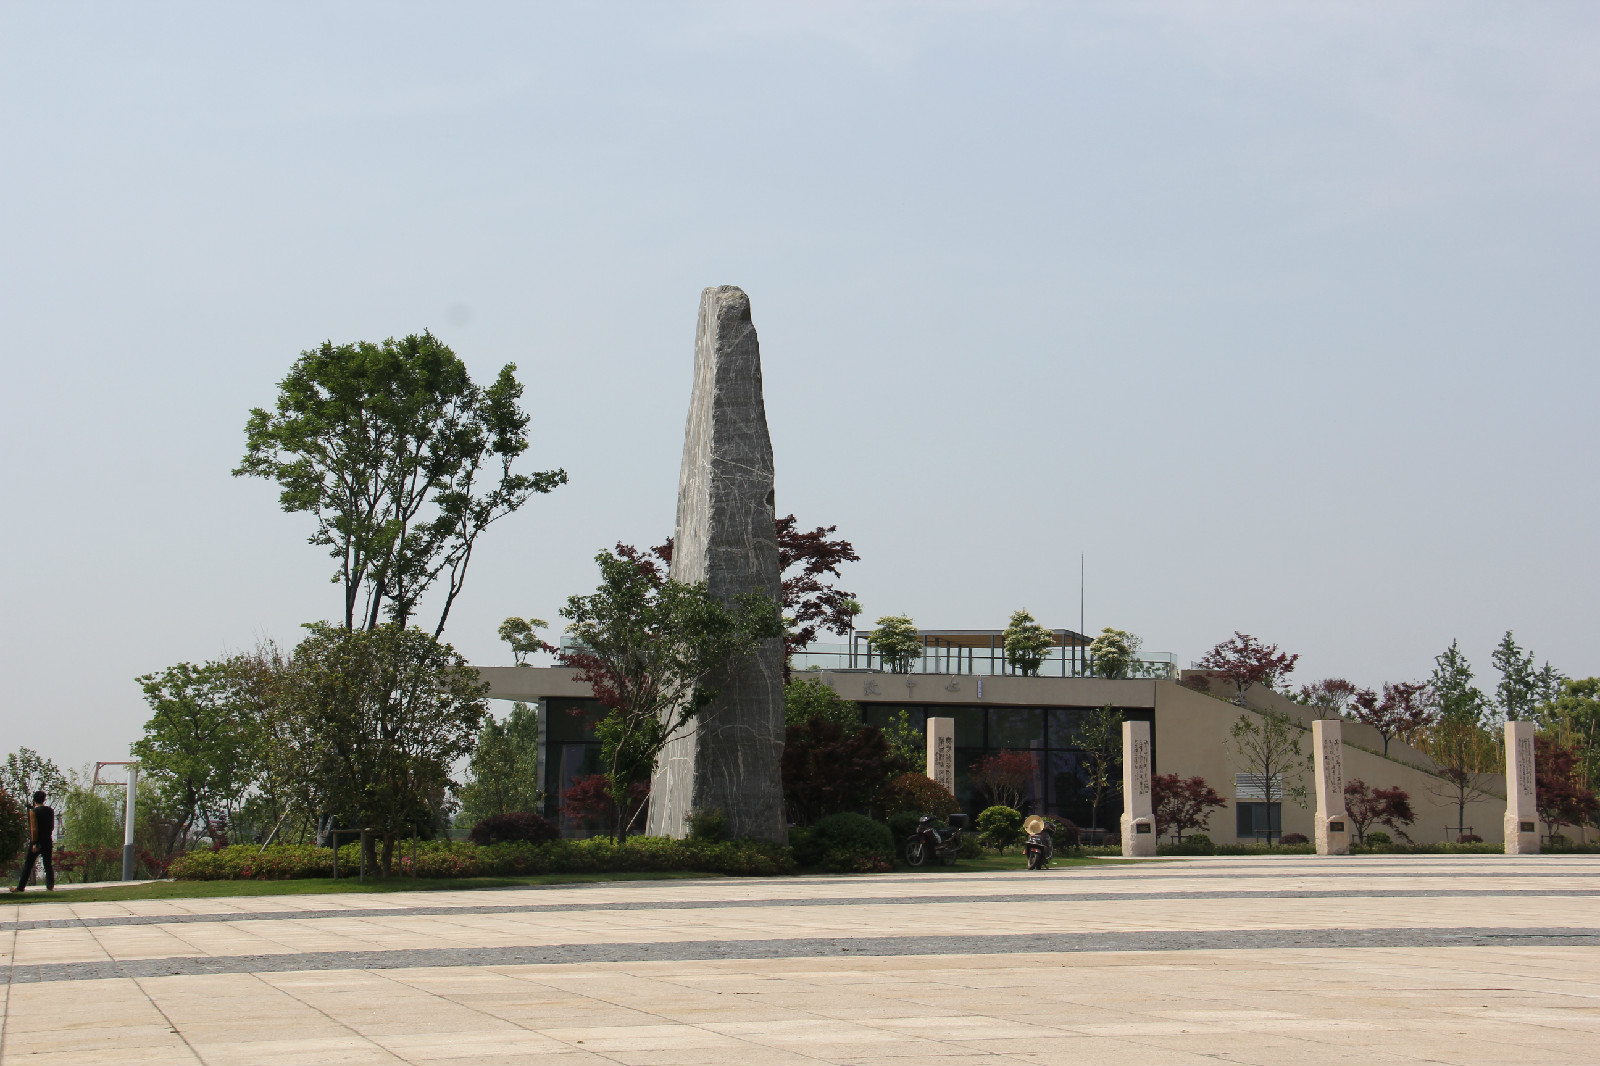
<point>111,921</point>
<point>808,948</point>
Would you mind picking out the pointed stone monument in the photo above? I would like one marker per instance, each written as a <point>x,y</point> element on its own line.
<point>729,759</point>
<point>1138,813</point>
<point>1522,813</point>
<point>1333,824</point>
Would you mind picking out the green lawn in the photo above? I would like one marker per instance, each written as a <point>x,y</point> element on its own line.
<point>323,885</point>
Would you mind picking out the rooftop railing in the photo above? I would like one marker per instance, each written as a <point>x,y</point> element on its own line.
<point>983,662</point>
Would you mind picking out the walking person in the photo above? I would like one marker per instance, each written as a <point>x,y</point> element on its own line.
<point>41,838</point>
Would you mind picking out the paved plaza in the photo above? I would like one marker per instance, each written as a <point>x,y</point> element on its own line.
<point>1481,959</point>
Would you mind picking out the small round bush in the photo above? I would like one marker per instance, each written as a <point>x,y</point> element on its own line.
<point>1293,838</point>
<point>710,825</point>
<point>1379,839</point>
<point>999,828</point>
<point>1467,838</point>
<point>518,827</point>
<point>847,843</point>
<point>919,794</point>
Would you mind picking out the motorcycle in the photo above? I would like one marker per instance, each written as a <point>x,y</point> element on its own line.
<point>929,841</point>
<point>1039,848</point>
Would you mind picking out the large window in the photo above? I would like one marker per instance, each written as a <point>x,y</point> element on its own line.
<point>1258,821</point>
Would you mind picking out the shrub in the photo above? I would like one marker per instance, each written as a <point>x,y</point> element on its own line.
<point>846,843</point>
<point>1293,838</point>
<point>1469,838</point>
<point>829,770</point>
<point>1379,839</point>
<point>1193,844</point>
<point>517,827</point>
<point>915,793</point>
<point>999,828</point>
<point>710,824</point>
<point>444,858</point>
<point>904,823</point>
<point>971,847</point>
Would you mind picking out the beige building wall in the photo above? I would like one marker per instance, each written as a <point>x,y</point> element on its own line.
<point>1192,734</point>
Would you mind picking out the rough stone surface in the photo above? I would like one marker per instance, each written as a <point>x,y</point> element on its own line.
<point>1522,813</point>
<point>1333,826</point>
<point>725,537</point>
<point>1138,812</point>
<point>942,752</point>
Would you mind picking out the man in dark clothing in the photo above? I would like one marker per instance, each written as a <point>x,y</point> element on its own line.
<point>41,838</point>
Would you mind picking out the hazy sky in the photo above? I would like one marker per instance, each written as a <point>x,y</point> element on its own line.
<point>1285,315</point>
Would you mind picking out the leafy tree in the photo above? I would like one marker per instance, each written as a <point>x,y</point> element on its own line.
<point>1244,661</point>
<point>1100,754</point>
<point>896,642</point>
<point>385,445</point>
<point>1521,687</point>
<point>1574,718</point>
<point>198,749</point>
<point>89,819</point>
<point>26,772</point>
<point>1266,746</point>
<point>648,645</point>
<point>1183,803</point>
<point>1366,806</point>
<point>523,636</point>
<point>589,802</point>
<point>811,603</point>
<point>1027,644</point>
<point>1465,754</point>
<point>1455,695</point>
<point>382,717</point>
<point>1331,696</point>
<point>1403,709</point>
<point>503,774</point>
<point>1004,777</point>
<point>1114,653</point>
<point>808,699</point>
<point>907,743</point>
<point>1560,795</point>
<point>828,769</point>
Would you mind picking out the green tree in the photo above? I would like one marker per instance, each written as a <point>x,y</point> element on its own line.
<point>385,445</point>
<point>1114,653</point>
<point>907,743</point>
<point>896,642</point>
<point>1521,687</point>
<point>380,718</point>
<point>1574,718</point>
<point>503,774</point>
<point>26,772</point>
<point>198,749</point>
<point>1266,746</point>
<point>648,647</point>
<point>1100,745</point>
<point>1457,698</point>
<point>89,819</point>
<point>1027,644</point>
<point>1457,742</point>
<point>523,636</point>
<point>808,699</point>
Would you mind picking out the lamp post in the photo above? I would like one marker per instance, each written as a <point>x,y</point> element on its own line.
<point>128,811</point>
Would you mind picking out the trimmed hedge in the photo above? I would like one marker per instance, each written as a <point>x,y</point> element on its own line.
<point>846,844</point>
<point>439,858</point>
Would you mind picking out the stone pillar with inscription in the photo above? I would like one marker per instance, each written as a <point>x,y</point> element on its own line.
<point>1138,815</point>
<point>1522,817</point>
<point>1333,824</point>
<point>942,752</point>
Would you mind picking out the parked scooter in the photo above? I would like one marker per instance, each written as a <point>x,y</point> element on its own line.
<point>930,842</point>
<point>1039,848</point>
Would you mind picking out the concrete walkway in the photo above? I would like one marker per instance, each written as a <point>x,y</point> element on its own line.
<point>1373,960</point>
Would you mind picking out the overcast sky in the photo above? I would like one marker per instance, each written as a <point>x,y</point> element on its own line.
<point>1284,315</point>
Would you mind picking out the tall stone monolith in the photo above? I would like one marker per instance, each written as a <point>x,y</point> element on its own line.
<point>729,760</point>
<point>1522,812</point>
<point>942,752</point>
<point>1333,825</point>
<point>1138,811</point>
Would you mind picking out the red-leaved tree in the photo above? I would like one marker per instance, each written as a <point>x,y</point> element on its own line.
<point>1366,806</point>
<point>1332,694</point>
<point>1004,777</point>
<point>811,603</point>
<point>828,769</point>
<point>1183,803</point>
<point>1561,797</point>
<point>1245,661</point>
<point>588,802</point>
<point>1403,709</point>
